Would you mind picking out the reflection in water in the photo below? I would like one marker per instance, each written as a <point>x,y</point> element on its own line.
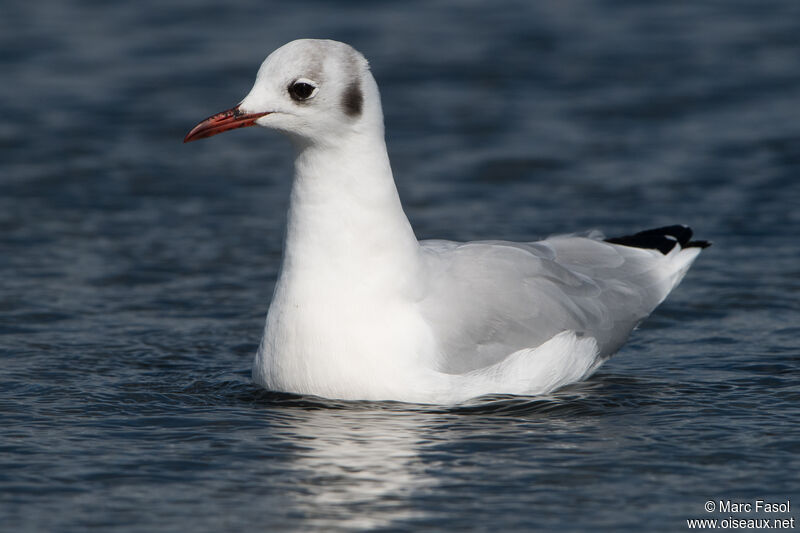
<point>377,465</point>
<point>357,468</point>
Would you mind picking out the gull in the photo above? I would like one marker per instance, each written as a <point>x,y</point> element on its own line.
<point>362,310</point>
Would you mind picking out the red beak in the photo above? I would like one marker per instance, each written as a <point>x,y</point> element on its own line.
<point>227,120</point>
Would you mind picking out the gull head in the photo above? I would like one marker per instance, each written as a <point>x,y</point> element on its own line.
<point>315,91</point>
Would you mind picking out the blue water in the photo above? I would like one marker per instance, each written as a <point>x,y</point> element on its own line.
<point>135,271</point>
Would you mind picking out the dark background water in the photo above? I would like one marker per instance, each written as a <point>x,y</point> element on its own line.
<point>135,272</point>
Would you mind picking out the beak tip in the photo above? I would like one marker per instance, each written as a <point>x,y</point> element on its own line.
<point>195,133</point>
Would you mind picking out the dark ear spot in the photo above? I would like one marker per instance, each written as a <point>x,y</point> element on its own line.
<point>353,100</point>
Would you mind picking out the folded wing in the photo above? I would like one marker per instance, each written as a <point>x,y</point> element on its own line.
<point>489,299</point>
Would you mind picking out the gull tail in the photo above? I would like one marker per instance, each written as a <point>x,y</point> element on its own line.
<point>661,239</point>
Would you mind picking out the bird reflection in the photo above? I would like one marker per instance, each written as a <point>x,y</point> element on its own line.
<point>358,468</point>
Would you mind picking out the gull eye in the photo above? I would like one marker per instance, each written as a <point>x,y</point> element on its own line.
<point>302,89</point>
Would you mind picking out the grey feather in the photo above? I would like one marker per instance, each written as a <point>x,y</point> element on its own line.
<point>513,296</point>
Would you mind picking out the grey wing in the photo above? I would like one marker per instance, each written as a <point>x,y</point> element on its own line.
<point>486,300</point>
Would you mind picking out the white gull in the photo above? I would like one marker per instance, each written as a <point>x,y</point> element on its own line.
<point>364,311</point>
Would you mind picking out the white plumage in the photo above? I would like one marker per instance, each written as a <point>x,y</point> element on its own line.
<point>364,311</point>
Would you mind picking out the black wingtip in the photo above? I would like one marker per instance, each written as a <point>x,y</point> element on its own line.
<point>661,239</point>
